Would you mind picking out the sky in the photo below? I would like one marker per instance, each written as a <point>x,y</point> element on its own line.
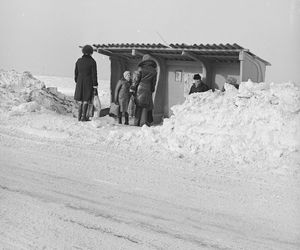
<point>42,36</point>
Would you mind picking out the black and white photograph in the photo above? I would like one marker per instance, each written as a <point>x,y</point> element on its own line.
<point>149,125</point>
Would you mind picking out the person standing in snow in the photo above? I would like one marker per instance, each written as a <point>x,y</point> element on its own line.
<point>86,81</point>
<point>198,85</point>
<point>132,90</point>
<point>122,96</point>
<point>146,82</point>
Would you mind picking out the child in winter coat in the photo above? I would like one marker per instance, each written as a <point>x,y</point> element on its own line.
<point>132,106</point>
<point>122,96</point>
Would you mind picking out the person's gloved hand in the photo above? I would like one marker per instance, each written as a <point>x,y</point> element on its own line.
<point>95,92</point>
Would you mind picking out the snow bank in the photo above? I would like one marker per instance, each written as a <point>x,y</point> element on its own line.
<point>258,122</point>
<point>66,85</point>
<point>25,108</point>
<point>21,93</point>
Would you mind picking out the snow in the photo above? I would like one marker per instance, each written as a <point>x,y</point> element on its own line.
<point>259,123</point>
<point>221,173</point>
<point>66,85</point>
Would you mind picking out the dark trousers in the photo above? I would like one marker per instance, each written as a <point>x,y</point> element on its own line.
<point>125,114</point>
<point>143,116</point>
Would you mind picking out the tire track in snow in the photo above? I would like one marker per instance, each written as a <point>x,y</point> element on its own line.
<point>124,206</point>
<point>154,228</point>
<point>92,210</point>
<point>102,230</point>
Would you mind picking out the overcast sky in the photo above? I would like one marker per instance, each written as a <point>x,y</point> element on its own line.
<point>42,36</point>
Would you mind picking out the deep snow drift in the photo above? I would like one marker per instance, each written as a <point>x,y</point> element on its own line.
<point>221,173</point>
<point>66,85</point>
<point>21,93</point>
<point>259,123</point>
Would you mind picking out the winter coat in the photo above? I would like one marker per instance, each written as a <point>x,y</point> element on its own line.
<point>202,87</point>
<point>122,94</point>
<point>85,78</point>
<point>131,106</point>
<point>146,84</point>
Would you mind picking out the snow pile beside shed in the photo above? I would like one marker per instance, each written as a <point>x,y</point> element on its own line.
<point>257,123</point>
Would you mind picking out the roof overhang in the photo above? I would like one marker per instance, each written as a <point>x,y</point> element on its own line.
<point>228,53</point>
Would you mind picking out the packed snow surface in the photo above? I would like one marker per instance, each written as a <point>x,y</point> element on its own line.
<point>222,172</point>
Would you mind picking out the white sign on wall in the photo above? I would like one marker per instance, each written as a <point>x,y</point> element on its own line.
<point>178,75</point>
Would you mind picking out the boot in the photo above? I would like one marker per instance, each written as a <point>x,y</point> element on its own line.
<point>84,110</point>
<point>126,119</point>
<point>120,119</point>
<point>137,116</point>
<point>79,111</point>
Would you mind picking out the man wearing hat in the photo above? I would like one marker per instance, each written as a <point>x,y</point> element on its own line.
<point>198,85</point>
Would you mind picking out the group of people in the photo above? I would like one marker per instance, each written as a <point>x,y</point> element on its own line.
<point>133,92</point>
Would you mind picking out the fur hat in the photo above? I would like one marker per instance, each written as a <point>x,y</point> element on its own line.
<point>87,50</point>
<point>197,77</point>
<point>126,73</point>
<point>147,59</point>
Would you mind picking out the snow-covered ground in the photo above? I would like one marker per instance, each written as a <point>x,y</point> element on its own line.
<point>222,173</point>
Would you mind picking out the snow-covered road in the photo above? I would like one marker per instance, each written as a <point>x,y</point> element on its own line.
<point>222,173</point>
<point>60,193</point>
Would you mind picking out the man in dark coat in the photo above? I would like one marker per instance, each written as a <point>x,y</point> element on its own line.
<point>198,85</point>
<point>86,81</point>
<point>146,82</point>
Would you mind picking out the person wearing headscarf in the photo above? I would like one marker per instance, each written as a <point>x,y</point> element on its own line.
<point>86,81</point>
<point>198,85</point>
<point>122,96</point>
<point>145,87</point>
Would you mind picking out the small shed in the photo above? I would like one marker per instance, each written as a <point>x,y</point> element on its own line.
<point>177,63</point>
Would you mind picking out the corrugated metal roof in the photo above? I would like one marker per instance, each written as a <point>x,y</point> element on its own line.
<point>131,45</point>
<point>174,46</point>
<point>210,52</point>
<point>207,46</point>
